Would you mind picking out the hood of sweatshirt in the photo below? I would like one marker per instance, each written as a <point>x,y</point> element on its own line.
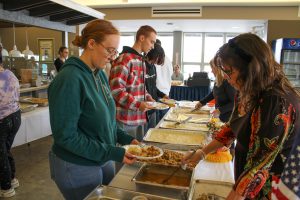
<point>77,62</point>
<point>127,49</point>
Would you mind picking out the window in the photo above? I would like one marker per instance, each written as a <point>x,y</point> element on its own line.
<point>230,36</point>
<point>167,43</point>
<point>207,68</point>
<point>199,49</point>
<point>189,70</point>
<point>126,40</point>
<point>212,43</point>
<point>192,47</point>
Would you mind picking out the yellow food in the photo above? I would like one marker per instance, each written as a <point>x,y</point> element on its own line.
<point>149,151</point>
<point>134,150</point>
<point>219,156</point>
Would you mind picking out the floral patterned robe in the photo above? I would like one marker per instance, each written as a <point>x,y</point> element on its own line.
<point>264,140</point>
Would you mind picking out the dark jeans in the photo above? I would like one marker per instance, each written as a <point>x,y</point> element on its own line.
<point>9,127</point>
<point>151,123</point>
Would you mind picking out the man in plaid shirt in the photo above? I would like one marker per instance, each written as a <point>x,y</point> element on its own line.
<point>127,83</point>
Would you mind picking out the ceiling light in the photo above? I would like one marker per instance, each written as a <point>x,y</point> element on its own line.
<point>4,51</point>
<point>169,23</point>
<point>15,52</point>
<point>235,27</point>
<point>27,52</point>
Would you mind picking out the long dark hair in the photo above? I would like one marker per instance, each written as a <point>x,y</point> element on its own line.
<point>157,54</point>
<point>258,71</point>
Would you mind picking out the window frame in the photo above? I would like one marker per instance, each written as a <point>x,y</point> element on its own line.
<point>203,35</point>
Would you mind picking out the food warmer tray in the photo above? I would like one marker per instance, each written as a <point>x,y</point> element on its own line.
<point>113,193</point>
<point>27,107</point>
<point>40,101</point>
<point>200,112</point>
<point>184,126</point>
<point>177,137</point>
<point>216,189</point>
<point>155,175</point>
<point>178,117</point>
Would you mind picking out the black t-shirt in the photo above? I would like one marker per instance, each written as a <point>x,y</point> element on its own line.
<point>58,63</point>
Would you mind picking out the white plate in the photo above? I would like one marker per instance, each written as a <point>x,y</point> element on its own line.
<point>139,148</point>
<point>158,105</point>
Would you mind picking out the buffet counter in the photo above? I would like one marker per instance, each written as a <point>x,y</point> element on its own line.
<point>209,175</point>
<point>218,172</point>
<point>221,174</point>
<point>34,125</point>
<point>124,180</point>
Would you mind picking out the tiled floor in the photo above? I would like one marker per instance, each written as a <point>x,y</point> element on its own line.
<point>33,172</point>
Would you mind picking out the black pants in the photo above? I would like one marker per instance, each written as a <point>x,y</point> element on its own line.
<point>9,127</point>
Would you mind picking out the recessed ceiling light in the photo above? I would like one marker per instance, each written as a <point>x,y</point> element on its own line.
<point>169,23</point>
<point>235,27</point>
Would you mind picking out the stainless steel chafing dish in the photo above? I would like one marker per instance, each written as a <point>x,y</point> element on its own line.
<point>177,137</point>
<point>213,190</point>
<point>155,175</point>
<point>112,193</point>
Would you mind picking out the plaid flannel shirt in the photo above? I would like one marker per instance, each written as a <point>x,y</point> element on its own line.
<point>127,83</point>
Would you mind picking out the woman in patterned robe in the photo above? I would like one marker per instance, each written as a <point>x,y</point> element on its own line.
<point>265,120</point>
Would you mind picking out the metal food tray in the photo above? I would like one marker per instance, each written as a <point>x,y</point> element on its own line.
<point>218,190</point>
<point>158,173</point>
<point>204,113</point>
<point>177,137</point>
<point>38,101</point>
<point>27,107</point>
<point>184,126</point>
<point>113,193</point>
<point>177,117</point>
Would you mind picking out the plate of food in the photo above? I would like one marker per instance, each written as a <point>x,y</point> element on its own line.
<point>170,102</point>
<point>144,152</point>
<point>158,105</point>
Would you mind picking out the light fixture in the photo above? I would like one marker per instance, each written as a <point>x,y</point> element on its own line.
<point>27,52</point>
<point>14,52</point>
<point>4,51</point>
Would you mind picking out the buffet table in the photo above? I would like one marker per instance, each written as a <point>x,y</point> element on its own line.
<point>124,180</point>
<point>34,125</point>
<point>218,173</point>
<point>189,93</point>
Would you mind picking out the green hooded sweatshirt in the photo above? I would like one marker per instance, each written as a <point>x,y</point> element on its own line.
<point>83,116</point>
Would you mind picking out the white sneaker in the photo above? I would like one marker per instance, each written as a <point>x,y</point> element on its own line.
<point>7,193</point>
<point>14,183</point>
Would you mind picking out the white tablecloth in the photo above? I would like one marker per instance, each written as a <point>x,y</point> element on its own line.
<point>34,125</point>
<point>214,171</point>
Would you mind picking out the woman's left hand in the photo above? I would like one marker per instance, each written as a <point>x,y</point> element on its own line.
<point>135,141</point>
<point>233,195</point>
